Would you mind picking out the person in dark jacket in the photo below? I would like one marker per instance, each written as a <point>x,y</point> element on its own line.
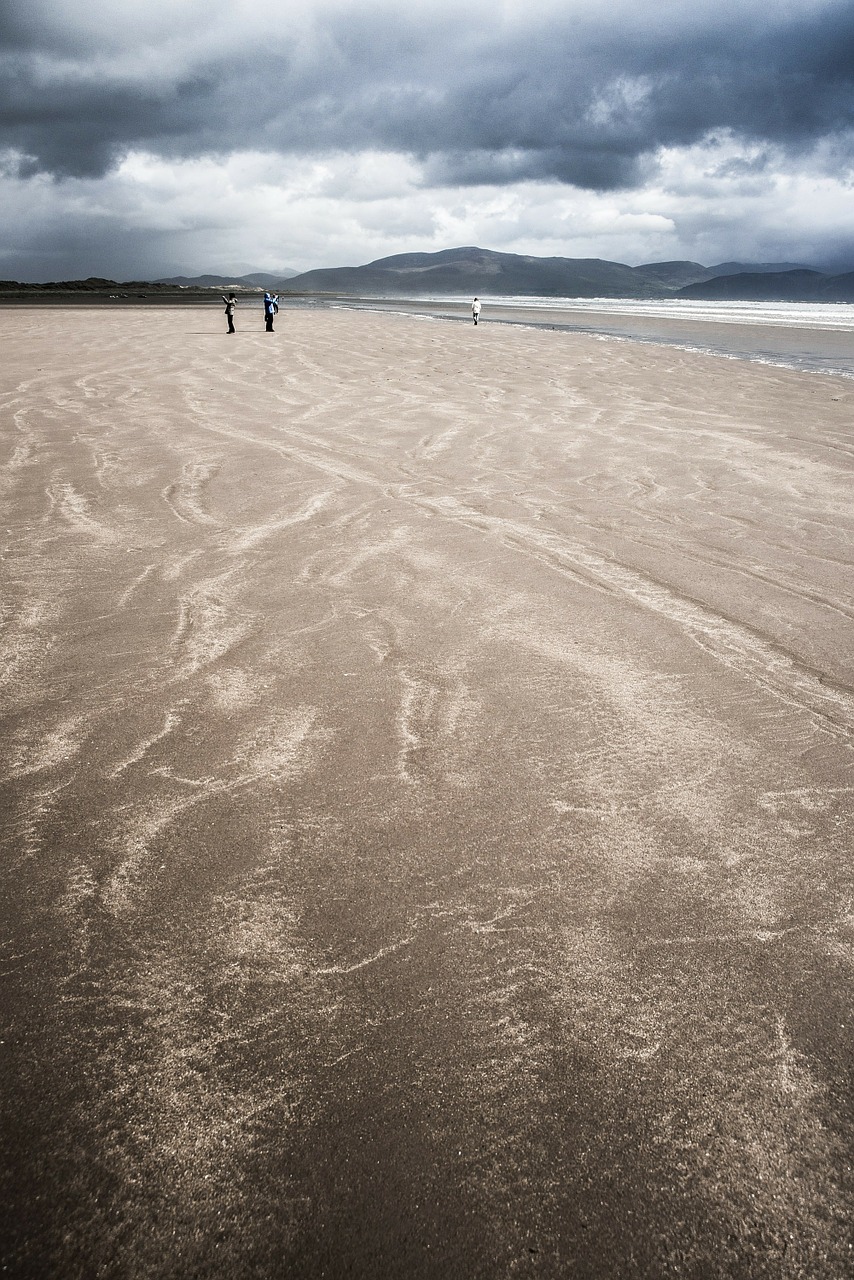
<point>230,304</point>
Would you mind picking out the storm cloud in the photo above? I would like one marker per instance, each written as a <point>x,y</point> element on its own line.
<point>582,94</point>
<point>576,93</point>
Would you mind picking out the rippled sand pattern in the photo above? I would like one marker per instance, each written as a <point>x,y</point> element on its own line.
<point>427,792</point>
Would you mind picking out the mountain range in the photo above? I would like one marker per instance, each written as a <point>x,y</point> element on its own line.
<point>485,273</point>
<point>482,272</point>
<point>797,285</point>
<point>255,280</point>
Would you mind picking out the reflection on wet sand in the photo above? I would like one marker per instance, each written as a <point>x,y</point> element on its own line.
<point>428,789</point>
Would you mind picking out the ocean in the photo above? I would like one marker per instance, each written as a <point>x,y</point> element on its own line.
<point>810,337</point>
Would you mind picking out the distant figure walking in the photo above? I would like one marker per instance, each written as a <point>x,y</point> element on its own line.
<point>475,310</point>
<point>271,306</point>
<point>230,304</point>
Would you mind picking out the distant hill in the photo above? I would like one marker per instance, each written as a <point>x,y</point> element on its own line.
<point>483,271</point>
<point>754,268</point>
<point>673,275</point>
<point>469,271</point>
<point>798,285</point>
<point>92,284</point>
<point>256,280</point>
<point>474,271</point>
<point>838,288</point>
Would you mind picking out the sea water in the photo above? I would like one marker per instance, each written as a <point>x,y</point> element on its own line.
<point>802,315</point>
<point>809,336</point>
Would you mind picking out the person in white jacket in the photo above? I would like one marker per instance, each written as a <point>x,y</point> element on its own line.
<point>475,310</point>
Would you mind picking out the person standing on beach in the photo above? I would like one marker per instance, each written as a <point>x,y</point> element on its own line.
<point>230,304</point>
<point>271,306</point>
<point>475,310</point>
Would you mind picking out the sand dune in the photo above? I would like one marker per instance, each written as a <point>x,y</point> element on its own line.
<point>428,787</point>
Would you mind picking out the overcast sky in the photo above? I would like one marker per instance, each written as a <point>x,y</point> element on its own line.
<point>172,136</point>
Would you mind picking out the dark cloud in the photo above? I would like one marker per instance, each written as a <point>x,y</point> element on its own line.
<point>581,98</point>
<point>97,248</point>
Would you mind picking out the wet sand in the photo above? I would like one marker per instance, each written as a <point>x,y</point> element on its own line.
<point>427,793</point>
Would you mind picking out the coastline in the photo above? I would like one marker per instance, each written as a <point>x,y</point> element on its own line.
<point>802,348</point>
<point>809,348</point>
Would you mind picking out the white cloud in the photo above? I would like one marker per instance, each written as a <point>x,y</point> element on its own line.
<point>151,216</point>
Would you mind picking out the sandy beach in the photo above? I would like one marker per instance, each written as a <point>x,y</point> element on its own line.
<point>427,788</point>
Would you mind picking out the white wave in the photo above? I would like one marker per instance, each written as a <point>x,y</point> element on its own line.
<point>797,315</point>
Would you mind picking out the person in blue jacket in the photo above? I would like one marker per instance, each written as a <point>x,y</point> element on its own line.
<point>271,306</point>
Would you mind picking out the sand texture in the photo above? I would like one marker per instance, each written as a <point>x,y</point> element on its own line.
<point>427,803</point>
